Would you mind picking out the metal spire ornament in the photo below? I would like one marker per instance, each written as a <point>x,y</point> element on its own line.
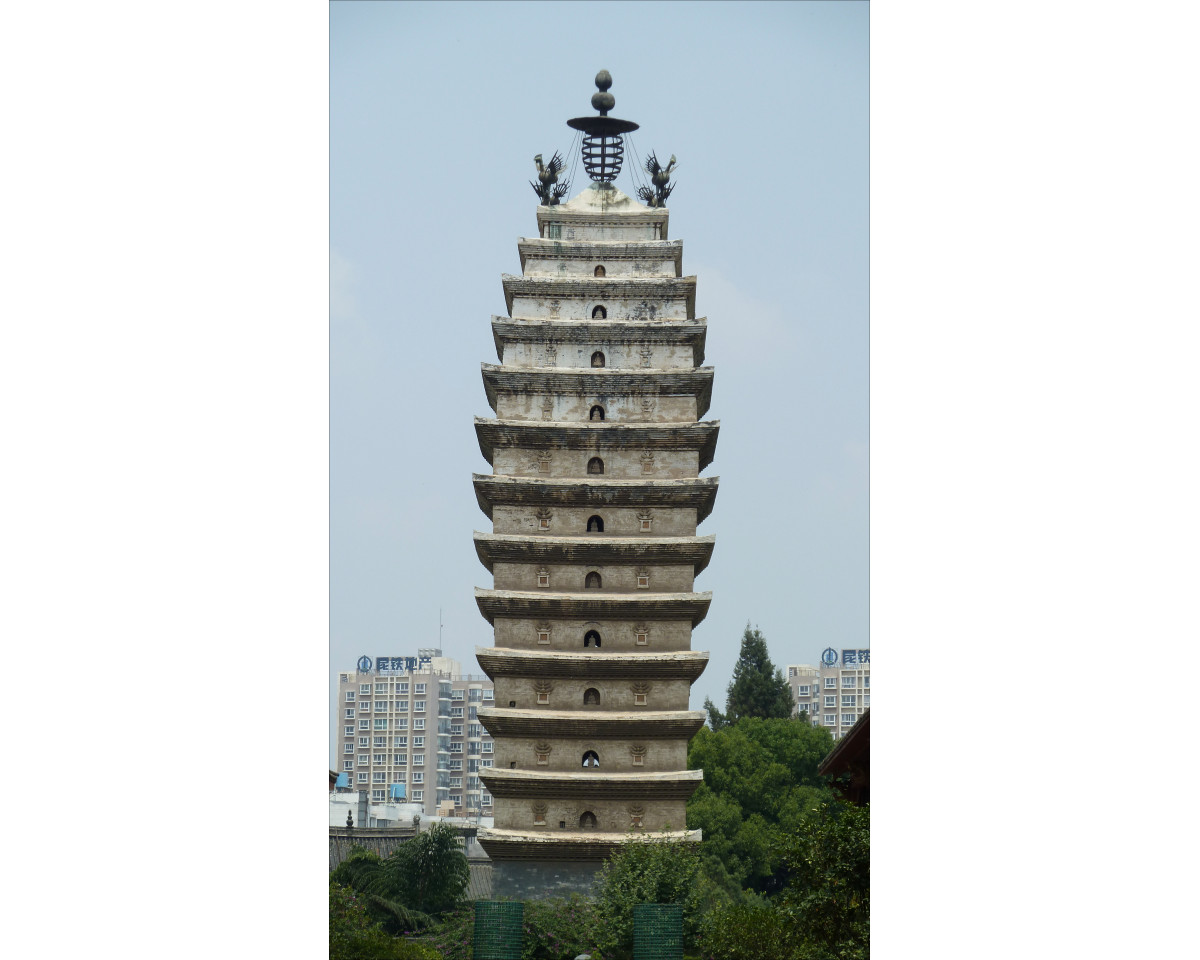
<point>603,147</point>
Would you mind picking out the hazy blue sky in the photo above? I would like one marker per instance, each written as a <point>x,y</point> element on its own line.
<point>436,112</point>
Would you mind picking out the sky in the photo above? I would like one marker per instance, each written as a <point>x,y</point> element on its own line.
<point>169,372</point>
<point>436,112</point>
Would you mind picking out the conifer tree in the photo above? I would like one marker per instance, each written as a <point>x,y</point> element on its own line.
<point>758,688</point>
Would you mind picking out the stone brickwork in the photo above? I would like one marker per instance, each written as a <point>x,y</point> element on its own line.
<point>595,496</point>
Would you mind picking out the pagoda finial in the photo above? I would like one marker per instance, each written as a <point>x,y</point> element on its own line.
<point>603,148</point>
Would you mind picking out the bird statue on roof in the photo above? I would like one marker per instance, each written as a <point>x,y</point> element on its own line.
<point>548,189</point>
<point>660,176</point>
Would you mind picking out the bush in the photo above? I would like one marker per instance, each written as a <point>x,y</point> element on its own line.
<point>749,931</point>
<point>353,935</point>
<point>561,928</point>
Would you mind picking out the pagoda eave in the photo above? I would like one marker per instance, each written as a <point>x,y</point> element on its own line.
<point>507,330</point>
<point>535,784</point>
<point>598,606</point>
<point>497,547</point>
<point>592,724</point>
<point>492,491</point>
<point>509,662</point>
<point>700,436</point>
<point>557,844</point>
<point>595,382</point>
<point>600,288</point>
<point>602,250</point>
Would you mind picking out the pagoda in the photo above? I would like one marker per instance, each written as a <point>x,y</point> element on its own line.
<point>594,497</point>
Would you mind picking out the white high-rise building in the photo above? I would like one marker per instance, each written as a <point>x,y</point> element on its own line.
<point>835,694</point>
<point>410,731</point>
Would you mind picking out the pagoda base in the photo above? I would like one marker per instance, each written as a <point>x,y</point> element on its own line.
<point>539,879</point>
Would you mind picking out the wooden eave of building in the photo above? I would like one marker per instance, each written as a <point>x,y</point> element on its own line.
<point>600,491</point>
<point>599,382</point>
<point>635,213</point>
<point>595,548</point>
<point>604,289</point>
<point>601,251</point>
<point>506,330</point>
<point>595,605</point>
<point>558,844</point>
<point>851,758</point>
<point>700,436</point>
<point>597,784</point>
<point>509,662</point>
<point>596,724</point>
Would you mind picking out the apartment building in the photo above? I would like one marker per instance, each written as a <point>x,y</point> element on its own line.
<point>836,693</point>
<point>410,731</point>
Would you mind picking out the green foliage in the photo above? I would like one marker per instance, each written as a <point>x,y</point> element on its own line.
<point>430,871</point>
<point>650,871</point>
<point>353,935</point>
<point>716,719</point>
<point>760,782</point>
<point>560,928</point>
<point>758,688</point>
<point>424,877</point>
<point>749,931</point>
<point>829,890</point>
<point>453,935</point>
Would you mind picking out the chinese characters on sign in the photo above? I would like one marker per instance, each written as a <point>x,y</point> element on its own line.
<point>389,664</point>
<point>851,657</point>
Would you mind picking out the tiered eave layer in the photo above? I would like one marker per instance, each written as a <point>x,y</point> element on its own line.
<point>698,492</point>
<point>596,548</point>
<point>508,662</point>
<point>599,605</point>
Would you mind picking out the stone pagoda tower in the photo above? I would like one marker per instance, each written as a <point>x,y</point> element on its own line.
<point>594,498</point>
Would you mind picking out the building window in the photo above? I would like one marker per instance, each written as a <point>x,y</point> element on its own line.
<point>418,706</point>
<point>380,759</point>
<point>830,683</point>
<point>487,799</point>
<point>456,711</point>
<point>487,748</point>
<point>419,723</point>
<point>457,694</point>
<point>849,681</point>
<point>543,698</point>
<point>349,713</point>
<point>543,578</point>
<point>418,777</point>
<point>362,778</point>
<point>456,748</point>
<point>456,764</point>
<point>488,694</point>
<point>402,706</point>
<point>643,639</point>
<point>381,706</point>
<point>381,689</point>
<point>592,581</point>
<point>643,581</point>
<point>802,690</point>
<point>377,795</point>
<point>867,700</point>
<point>364,760</point>
<point>380,725</point>
<point>591,638</point>
<point>591,759</point>
<point>543,636</point>
<point>639,699</point>
<point>400,759</point>
<point>347,764</point>
<point>364,706</point>
<point>456,730</point>
<point>379,742</point>
<point>418,795</point>
<point>418,742</point>
<point>418,759</point>
<point>348,731</point>
<point>830,719</point>
<point>831,701</point>
<point>348,748</point>
<point>595,465</point>
<point>379,777</point>
<point>364,742</point>
<point>595,524</point>
<point>596,413</point>
<point>849,718</point>
<point>848,700</point>
<point>364,724</point>
<point>402,687</point>
<point>349,696</point>
<point>867,680</point>
<point>364,689</point>
<point>400,741</point>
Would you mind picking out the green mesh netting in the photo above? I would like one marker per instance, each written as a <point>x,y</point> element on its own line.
<point>498,929</point>
<point>658,931</point>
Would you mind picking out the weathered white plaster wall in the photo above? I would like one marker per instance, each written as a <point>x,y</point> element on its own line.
<point>616,578</point>
<point>617,636</point>
<point>620,464</point>
<point>572,521</point>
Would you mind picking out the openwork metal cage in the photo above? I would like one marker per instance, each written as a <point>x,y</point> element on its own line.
<point>602,157</point>
<point>603,146</point>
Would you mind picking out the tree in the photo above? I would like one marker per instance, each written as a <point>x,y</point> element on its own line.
<point>758,688</point>
<point>829,890</point>
<point>658,870</point>
<point>760,783</point>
